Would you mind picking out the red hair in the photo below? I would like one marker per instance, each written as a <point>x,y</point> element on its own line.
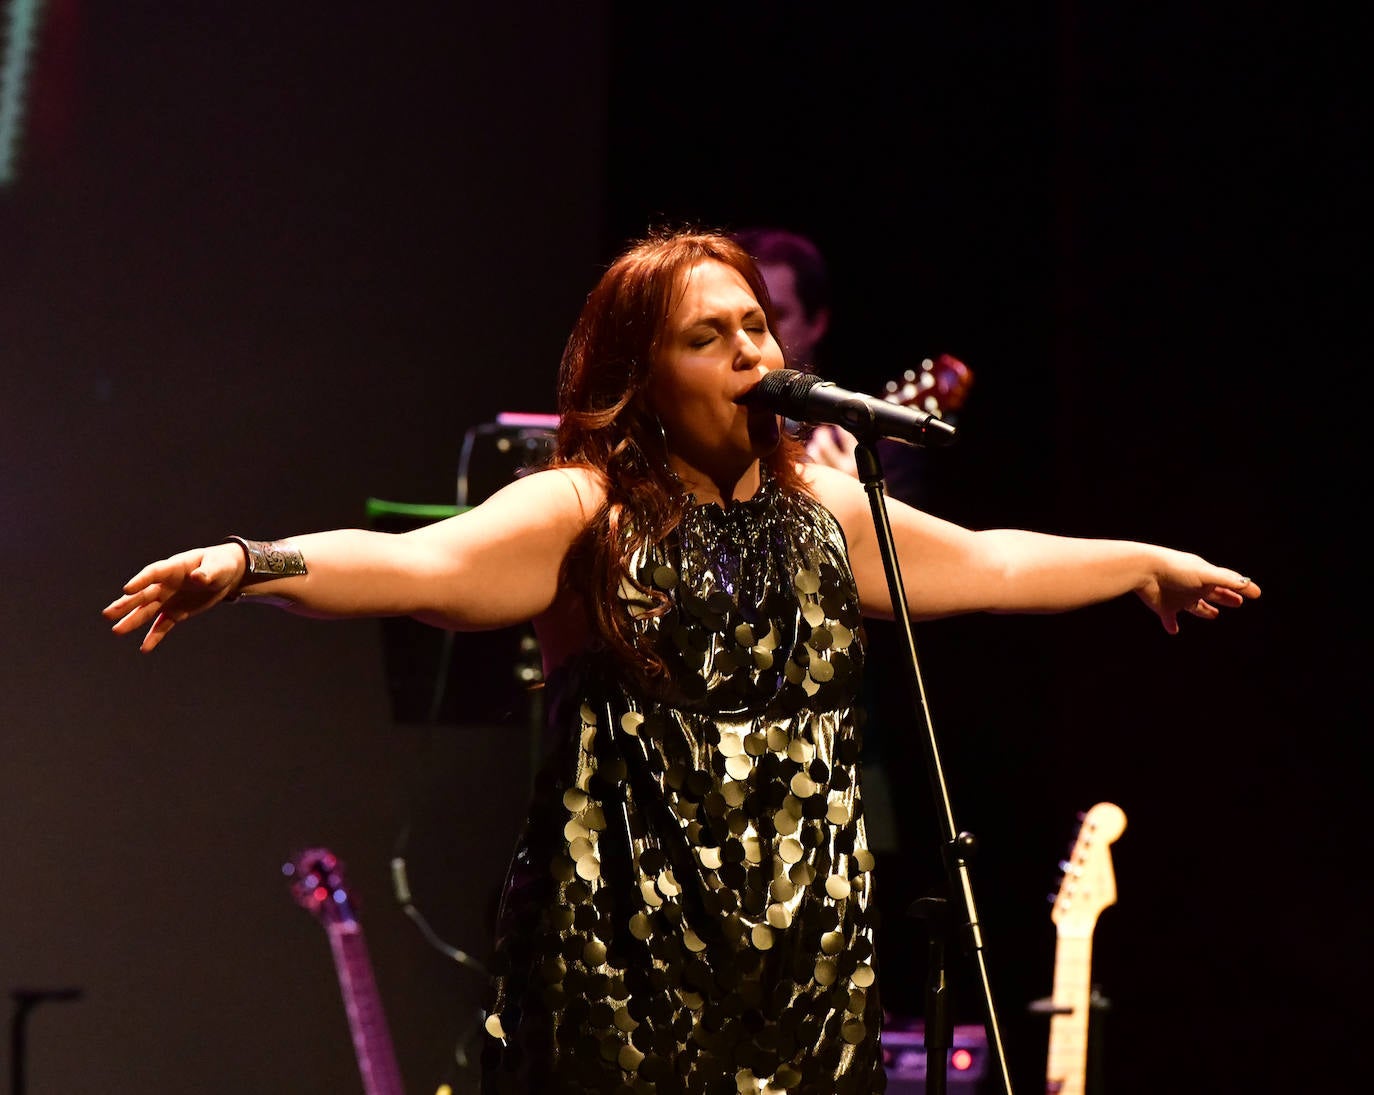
<point>606,424</point>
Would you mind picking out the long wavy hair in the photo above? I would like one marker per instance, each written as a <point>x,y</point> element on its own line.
<point>606,424</point>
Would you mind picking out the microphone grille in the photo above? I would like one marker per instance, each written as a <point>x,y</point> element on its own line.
<point>787,382</point>
<point>788,387</point>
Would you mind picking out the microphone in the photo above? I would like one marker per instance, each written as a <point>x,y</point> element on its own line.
<point>807,398</point>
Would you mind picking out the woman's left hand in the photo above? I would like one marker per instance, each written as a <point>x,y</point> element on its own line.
<point>1188,583</point>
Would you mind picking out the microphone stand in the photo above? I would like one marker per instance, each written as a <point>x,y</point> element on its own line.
<point>955,846</point>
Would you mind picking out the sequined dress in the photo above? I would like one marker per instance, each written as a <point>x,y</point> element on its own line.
<point>688,907</point>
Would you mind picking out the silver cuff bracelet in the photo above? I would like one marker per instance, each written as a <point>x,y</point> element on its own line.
<point>267,559</point>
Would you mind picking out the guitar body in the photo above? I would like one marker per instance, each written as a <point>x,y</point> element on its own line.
<point>318,886</point>
<point>1088,887</point>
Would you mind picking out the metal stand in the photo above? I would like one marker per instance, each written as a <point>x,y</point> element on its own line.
<point>956,846</point>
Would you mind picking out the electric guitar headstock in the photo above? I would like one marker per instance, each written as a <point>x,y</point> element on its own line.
<point>1088,885</point>
<point>317,884</point>
<point>939,387</point>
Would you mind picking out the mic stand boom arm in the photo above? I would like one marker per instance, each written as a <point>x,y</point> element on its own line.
<point>955,846</point>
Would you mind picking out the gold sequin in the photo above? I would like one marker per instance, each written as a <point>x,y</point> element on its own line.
<point>803,786</point>
<point>665,577</point>
<point>779,915</point>
<point>853,1032</point>
<point>574,830</point>
<point>821,670</point>
<point>785,823</point>
<point>589,868</point>
<point>731,744</point>
<point>574,799</point>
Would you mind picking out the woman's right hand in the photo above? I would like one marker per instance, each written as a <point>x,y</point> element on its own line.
<point>175,589</point>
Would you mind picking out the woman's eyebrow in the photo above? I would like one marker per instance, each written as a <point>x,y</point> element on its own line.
<point>719,318</point>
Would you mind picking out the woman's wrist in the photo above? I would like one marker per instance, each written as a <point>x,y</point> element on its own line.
<point>265,561</point>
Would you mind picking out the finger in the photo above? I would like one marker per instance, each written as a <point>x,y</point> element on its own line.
<point>1242,587</point>
<point>1226,598</point>
<point>123,605</point>
<point>161,571</point>
<point>136,618</point>
<point>135,609</point>
<point>159,631</point>
<point>116,608</point>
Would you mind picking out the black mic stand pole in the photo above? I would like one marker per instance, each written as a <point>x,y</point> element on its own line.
<point>955,846</point>
<point>25,1000</point>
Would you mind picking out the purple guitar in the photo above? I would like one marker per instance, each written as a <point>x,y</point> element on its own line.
<point>318,886</point>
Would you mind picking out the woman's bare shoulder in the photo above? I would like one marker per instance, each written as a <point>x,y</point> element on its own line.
<point>837,491</point>
<point>574,492</point>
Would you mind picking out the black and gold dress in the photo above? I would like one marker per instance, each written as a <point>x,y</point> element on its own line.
<point>688,908</point>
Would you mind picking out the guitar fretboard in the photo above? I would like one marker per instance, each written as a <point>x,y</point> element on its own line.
<point>1068,1053</point>
<point>366,1021</point>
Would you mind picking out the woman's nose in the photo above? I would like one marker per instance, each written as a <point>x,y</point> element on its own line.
<point>748,352</point>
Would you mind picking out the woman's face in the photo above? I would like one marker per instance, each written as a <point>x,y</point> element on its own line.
<point>716,347</point>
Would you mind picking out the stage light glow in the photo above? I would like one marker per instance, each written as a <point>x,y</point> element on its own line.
<point>961,1060</point>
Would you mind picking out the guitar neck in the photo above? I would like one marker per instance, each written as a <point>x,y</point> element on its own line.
<point>366,1020</point>
<point>1087,889</point>
<point>1066,1066</point>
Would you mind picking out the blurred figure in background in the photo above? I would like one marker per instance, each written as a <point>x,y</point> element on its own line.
<point>799,283</point>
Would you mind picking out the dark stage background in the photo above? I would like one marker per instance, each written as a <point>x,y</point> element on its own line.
<point>262,262</point>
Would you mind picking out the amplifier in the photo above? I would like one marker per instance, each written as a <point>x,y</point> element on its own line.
<point>904,1056</point>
